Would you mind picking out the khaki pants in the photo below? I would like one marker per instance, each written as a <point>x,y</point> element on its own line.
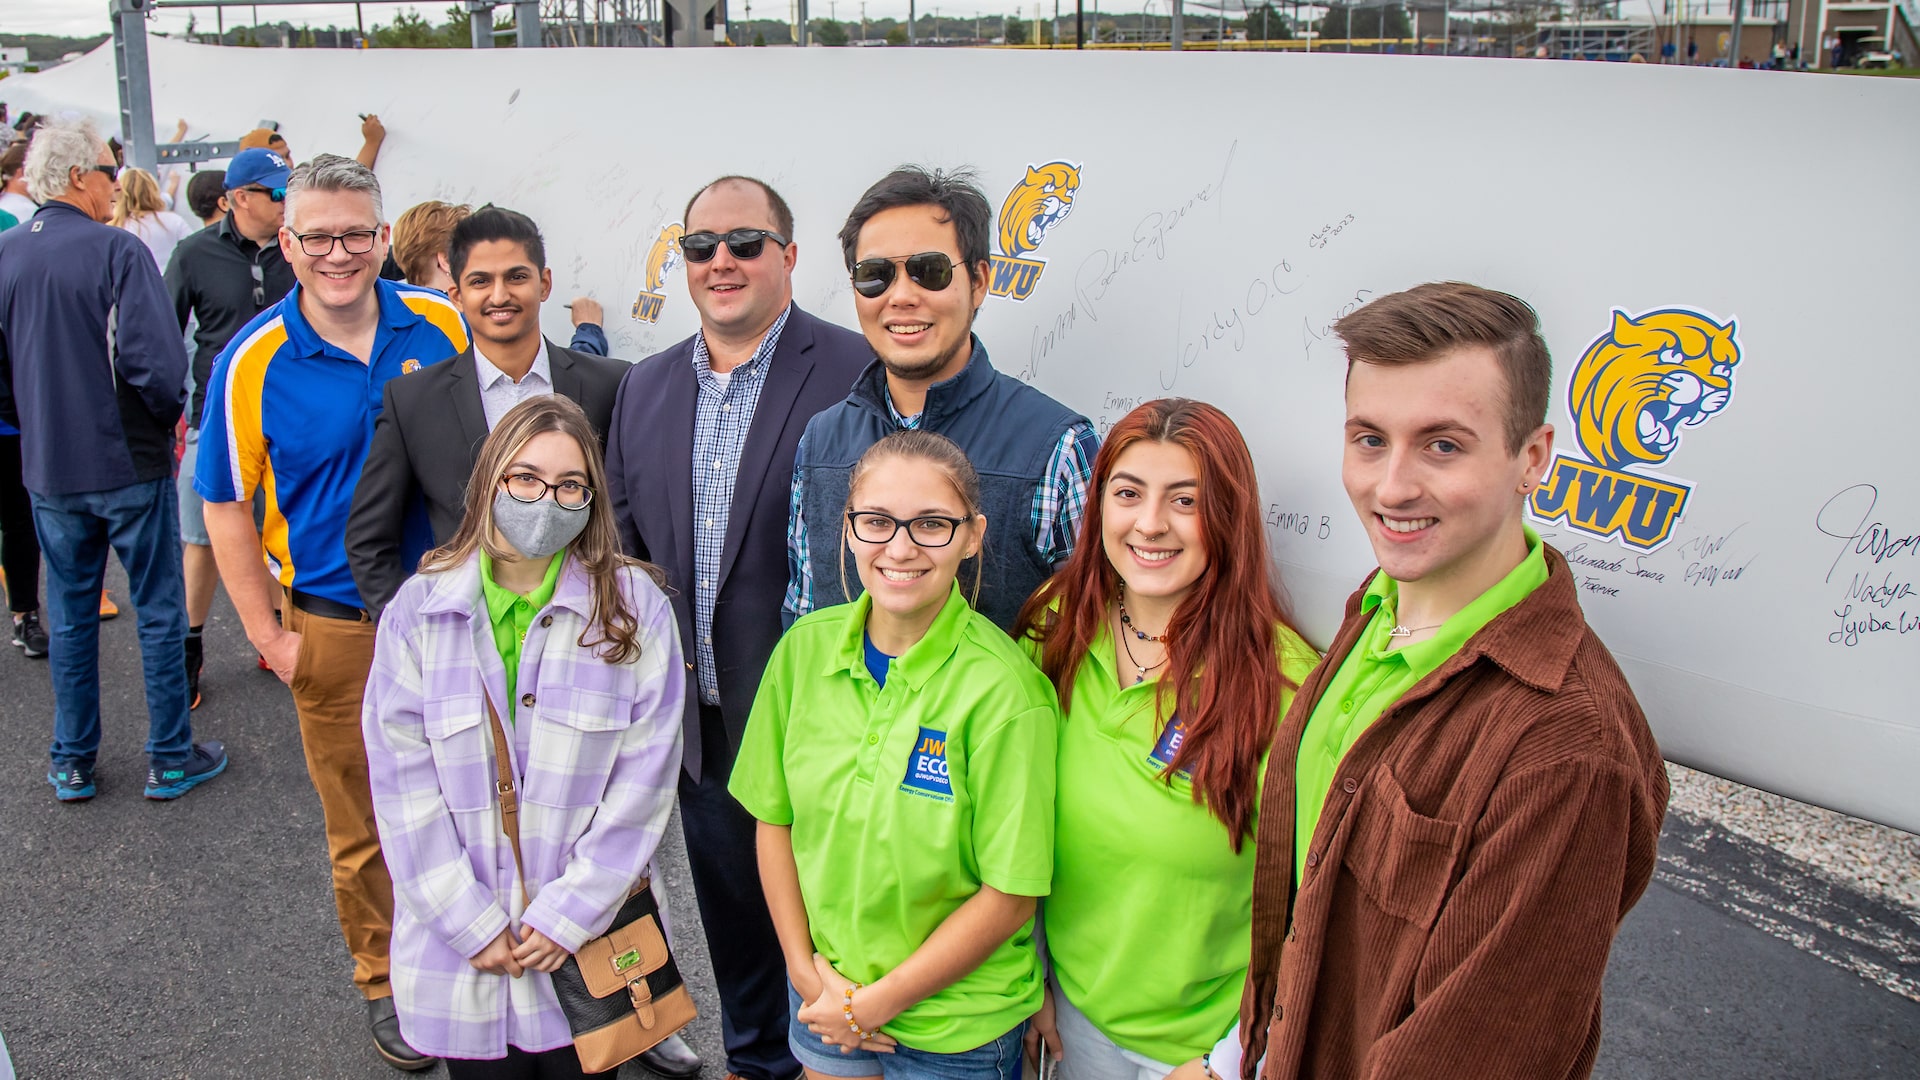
<point>329,679</point>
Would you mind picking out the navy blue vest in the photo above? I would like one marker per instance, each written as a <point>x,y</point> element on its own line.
<point>1009,431</point>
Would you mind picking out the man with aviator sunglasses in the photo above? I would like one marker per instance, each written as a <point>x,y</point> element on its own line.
<point>703,439</point>
<point>223,276</point>
<point>916,253</point>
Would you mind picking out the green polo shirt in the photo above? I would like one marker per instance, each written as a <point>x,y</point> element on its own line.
<point>905,800</point>
<point>511,614</point>
<point>1147,924</point>
<point>1373,677</point>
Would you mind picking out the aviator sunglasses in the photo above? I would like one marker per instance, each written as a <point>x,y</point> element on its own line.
<point>931,270</point>
<point>741,243</point>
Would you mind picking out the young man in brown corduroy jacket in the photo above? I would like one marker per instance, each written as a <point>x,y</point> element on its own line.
<point>1464,800</point>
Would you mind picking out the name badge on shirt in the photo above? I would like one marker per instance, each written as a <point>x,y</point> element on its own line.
<point>1171,737</point>
<point>927,768</point>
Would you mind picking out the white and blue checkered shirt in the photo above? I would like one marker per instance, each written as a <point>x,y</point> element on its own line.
<point>722,413</point>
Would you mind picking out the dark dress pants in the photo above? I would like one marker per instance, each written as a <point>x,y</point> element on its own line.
<point>747,963</point>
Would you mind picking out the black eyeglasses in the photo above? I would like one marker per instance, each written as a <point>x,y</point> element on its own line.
<point>931,270</point>
<point>278,194</point>
<point>319,245</point>
<point>741,243</point>
<point>259,285</point>
<point>927,530</point>
<point>528,488</point>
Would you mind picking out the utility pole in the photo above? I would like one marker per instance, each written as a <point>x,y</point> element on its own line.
<point>911,39</point>
<point>1079,24</point>
<point>1178,32</point>
<point>1733,40</point>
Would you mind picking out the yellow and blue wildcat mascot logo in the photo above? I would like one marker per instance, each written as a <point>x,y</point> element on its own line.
<point>663,258</point>
<point>1036,205</point>
<point>1634,391</point>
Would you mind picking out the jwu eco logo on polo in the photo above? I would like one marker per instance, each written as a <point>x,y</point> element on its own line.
<point>927,768</point>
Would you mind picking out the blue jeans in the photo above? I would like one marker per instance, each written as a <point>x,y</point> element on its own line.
<point>997,1059</point>
<point>141,522</point>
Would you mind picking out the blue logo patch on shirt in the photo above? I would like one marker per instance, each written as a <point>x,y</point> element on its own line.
<point>1171,737</point>
<point>927,768</point>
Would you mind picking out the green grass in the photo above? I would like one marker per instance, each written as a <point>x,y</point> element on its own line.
<point>1898,73</point>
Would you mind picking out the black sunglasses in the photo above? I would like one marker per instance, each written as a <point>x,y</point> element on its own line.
<point>931,270</point>
<point>741,243</point>
<point>259,286</point>
<point>111,172</point>
<point>278,194</point>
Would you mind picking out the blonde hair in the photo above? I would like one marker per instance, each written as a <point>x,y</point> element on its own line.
<point>139,197</point>
<point>933,449</point>
<point>612,628</point>
<point>421,233</point>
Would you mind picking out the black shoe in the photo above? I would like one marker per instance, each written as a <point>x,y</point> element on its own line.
<point>387,1041</point>
<point>673,1059</point>
<point>72,781</point>
<point>28,634</point>
<point>208,760</point>
<point>195,658</point>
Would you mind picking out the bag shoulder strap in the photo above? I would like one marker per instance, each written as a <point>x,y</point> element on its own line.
<point>503,787</point>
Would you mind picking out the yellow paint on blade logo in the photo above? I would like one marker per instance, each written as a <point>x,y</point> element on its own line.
<point>1634,390</point>
<point>409,366</point>
<point>663,258</point>
<point>1038,203</point>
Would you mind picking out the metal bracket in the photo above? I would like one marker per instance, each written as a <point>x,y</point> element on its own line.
<point>193,153</point>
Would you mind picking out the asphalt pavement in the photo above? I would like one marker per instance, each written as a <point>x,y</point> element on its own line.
<point>197,938</point>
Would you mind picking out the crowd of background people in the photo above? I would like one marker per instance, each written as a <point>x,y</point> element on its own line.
<point>991,740</point>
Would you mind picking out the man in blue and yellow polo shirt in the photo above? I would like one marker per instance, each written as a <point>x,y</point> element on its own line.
<point>290,411</point>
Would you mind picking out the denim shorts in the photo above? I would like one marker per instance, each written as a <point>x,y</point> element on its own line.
<point>999,1059</point>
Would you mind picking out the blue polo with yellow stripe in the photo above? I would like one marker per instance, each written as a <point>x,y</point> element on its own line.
<point>292,416</point>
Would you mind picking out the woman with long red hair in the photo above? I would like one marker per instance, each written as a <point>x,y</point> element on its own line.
<point>1168,643</point>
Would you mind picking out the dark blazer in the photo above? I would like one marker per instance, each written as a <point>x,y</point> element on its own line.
<point>650,472</point>
<point>425,442</point>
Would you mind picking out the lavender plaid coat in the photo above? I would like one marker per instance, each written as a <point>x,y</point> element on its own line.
<point>596,753</point>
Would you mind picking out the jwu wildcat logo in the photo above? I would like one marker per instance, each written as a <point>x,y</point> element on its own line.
<point>1635,388</point>
<point>1038,203</point>
<point>663,258</point>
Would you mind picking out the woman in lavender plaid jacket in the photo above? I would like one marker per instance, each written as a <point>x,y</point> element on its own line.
<point>530,608</point>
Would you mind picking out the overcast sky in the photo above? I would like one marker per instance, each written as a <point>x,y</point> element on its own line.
<point>82,17</point>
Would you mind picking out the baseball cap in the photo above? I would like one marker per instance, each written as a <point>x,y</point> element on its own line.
<point>257,166</point>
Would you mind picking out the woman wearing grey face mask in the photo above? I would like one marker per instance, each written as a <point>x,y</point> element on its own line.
<point>529,622</point>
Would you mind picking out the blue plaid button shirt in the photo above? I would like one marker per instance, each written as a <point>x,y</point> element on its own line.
<point>1059,503</point>
<point>721,417</point>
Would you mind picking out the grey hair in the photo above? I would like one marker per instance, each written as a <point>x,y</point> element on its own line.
<point>331,172</point>
<point>58,148</point>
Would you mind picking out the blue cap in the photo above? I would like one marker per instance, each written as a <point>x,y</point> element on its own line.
<point>257,166</point>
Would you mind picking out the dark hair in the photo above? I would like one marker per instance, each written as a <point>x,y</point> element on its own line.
<point>782,215</point>
<point>490,222</point>
<point>1428,321</point>
<point>14,160</point>
<point>955,192</point>
<point>205,191</point>
<point>1223,672</point>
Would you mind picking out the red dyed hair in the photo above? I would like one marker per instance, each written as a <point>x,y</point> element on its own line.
<point>1223,675</point>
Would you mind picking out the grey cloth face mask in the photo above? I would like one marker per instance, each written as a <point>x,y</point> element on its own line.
<point>537,529</point>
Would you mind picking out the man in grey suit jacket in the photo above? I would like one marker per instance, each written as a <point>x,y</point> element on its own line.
<point>700,463</point>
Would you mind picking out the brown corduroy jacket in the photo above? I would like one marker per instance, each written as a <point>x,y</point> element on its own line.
<point>1479,846</point>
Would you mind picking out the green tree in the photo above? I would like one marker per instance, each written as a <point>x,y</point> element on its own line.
<point>897,36</point>
<point>306,38</point>
<point>457,31</point>
<point>409,30</point>
<point>1368,22</point>
<point>1266,23</point>
<point>829,33</point>
<point>1015,31</point>
<point>759,40</point>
